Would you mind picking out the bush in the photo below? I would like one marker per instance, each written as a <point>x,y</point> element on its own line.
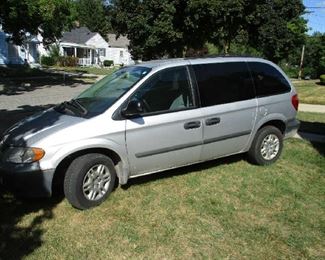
<point>68,61</point>
<point>290,70</point>
<point>310,72</point>
<point>48,61</point>
<point>108,63</point>
<point>322,79</point>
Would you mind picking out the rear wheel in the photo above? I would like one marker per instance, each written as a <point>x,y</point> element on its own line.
<point>267,146</point>
<point>89,180</point>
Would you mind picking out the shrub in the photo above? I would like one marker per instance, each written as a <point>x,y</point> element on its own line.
<point>68,61</point>
<point>48,61</point>
<point>322,79</point>
<point>290,70</point>
<point>108,63</point>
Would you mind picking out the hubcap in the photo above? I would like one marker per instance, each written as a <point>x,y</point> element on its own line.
<point>96,182</point>
<point>270,147</point>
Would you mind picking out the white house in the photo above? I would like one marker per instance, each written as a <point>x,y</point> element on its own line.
<point>91,48</point>
<point>118,49</point>
<point>29,52</point>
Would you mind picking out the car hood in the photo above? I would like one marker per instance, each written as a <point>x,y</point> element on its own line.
<point>38,126</point>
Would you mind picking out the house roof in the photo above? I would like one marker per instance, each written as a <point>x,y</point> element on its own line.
<point>78,35</point>
<point>120,42</point>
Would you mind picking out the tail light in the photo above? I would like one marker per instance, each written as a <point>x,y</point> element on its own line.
<point>295,101</point>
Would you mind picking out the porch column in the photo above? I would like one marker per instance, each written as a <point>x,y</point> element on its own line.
<point>75,51</point>
<point>91,56</point>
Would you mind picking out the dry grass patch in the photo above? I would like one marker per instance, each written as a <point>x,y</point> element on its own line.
<point>310,91</point>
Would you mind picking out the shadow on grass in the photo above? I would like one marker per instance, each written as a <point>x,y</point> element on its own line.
<point>18,239</point>
<point>312,127</point>
<point>183,170</point>
<point>22,221</point>
<point>316,128</point>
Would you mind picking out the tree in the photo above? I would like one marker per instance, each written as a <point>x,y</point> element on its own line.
<point>47,17</point>
<point>93,14</point>
<point>315,55</point>
<point>169,28</point>
<point>276,27</point>
<point>154,28</point>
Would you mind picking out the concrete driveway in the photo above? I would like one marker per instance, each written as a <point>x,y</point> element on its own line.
<point>19,101</point>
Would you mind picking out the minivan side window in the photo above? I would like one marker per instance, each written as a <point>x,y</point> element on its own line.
<point>167,90</point>
<point>221,83</point>
<point>268,80</point>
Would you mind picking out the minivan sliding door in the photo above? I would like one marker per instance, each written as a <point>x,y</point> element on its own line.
<point>228,107</point>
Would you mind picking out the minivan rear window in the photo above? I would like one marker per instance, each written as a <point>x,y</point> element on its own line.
<point>268,80</point>
<point>221,83</point>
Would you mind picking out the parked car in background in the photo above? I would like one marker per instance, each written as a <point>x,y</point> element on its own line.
<point>148,118</point>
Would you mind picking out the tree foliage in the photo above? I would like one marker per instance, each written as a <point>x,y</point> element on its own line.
<point>169,28</point>
<point>47,17</point>
<point>315,55</point>
<point>93,14</point>
<point>276,28</point>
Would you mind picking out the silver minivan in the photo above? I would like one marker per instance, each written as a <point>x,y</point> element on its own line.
<point>147,118</point>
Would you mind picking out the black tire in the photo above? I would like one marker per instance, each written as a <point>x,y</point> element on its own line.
<point>75,177</point>
<point>255,152</point>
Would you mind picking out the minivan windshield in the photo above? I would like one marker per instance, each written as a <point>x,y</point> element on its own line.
<point>104,93</point>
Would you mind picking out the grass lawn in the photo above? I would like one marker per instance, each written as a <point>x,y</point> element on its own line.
<point>310,91</point>
<point>227,208</point>
<point>312,122</point>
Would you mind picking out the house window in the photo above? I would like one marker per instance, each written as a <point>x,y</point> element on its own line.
<point>121,54</point>
<point>102,52</point>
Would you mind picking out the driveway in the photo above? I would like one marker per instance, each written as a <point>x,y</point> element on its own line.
<point>23,99</point>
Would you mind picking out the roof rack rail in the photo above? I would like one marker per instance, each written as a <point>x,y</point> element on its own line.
<point>223,56</point>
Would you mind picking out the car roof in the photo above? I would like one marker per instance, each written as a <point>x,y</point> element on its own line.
<point>210,59</point>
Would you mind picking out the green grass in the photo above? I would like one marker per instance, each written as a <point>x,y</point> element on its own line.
<point>87,70</point>
<point>312,122</point>
<point>222,209</point>
<point>311,117</point>
<point>310,91</point>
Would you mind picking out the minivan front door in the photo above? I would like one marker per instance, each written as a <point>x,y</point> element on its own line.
<point>168,133</point>
<point>228,107</point>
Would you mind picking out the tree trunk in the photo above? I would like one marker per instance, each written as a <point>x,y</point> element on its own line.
<point>226,47</point>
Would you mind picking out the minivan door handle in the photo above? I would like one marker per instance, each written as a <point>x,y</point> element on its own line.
<point>212,121</point>
<point>192,125</point>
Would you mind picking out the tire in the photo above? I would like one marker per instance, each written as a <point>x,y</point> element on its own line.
<point>267,146</point>
<point>89,180</point>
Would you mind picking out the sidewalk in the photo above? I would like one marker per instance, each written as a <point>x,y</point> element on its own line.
<point>311,108</point>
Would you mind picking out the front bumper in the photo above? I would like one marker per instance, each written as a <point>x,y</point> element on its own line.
<point>292,128</point>
<point>27,180</point>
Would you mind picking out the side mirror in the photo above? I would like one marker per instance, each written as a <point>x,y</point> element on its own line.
<point>133,109</point>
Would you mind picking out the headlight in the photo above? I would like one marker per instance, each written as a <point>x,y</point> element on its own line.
<point>23,154</point>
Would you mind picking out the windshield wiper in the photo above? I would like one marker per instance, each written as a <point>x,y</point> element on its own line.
<point>79,106</point>
<point>73,106</point>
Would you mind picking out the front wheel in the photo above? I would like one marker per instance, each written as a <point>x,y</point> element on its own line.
<point>267,146</point>
<point>89,180</point>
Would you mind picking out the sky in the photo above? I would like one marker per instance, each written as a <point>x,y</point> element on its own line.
<point>316,17</point>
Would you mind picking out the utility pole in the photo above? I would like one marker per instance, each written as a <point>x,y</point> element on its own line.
<point>301,62</point>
